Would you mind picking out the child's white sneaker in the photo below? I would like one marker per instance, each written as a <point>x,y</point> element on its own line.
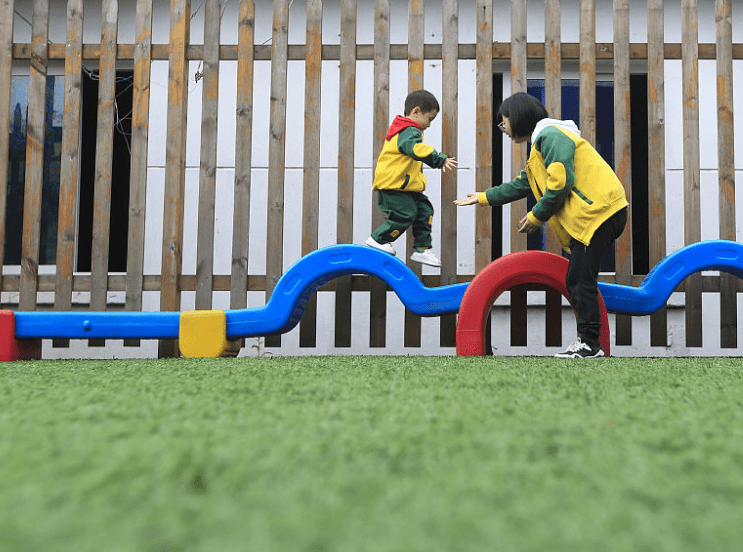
<point>425,257</point>
<point>386,247</point>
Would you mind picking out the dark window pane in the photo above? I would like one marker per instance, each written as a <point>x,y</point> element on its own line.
<point>17,170</point>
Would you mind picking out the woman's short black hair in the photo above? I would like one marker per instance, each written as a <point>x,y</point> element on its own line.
<point>523,112</point>
<point>423,99</point>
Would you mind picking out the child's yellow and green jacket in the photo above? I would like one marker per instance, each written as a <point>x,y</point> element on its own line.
<point>402,157</point>
<point>576,190</point>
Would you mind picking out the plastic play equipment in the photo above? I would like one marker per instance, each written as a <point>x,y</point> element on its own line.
<point>295,287</point>
<point>653,293</point>
<point>205,333</point>
<point>546,268</point>
<point>524,267</point>
<point>12,348</point>
<point>279,315</point>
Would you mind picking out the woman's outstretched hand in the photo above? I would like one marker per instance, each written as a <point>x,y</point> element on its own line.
<point>471,199</point>
<point>526,227</point>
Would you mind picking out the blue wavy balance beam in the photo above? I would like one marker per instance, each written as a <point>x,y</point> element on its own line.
<point>285,306</point>
<point>279,315</point>
<point>653,293</point>
<point>295,288</point>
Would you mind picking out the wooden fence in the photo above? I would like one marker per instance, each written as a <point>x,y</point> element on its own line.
<point>553,53</point>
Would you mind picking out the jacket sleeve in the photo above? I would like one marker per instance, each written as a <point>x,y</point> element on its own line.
<point>410,143</point>
<point>558,153</point>
<point>507,192</point>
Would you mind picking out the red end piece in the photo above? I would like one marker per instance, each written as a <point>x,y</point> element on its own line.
<point>523,267</point>
<point>12,348</point>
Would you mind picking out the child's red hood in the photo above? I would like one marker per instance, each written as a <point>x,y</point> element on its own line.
<point>400,123</point>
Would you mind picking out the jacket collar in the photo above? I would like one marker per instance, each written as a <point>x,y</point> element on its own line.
<point>544,123</point>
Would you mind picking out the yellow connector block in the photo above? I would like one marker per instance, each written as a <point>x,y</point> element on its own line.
<point>203,334</point>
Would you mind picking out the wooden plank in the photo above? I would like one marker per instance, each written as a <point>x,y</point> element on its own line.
<point>175,163</point>
<point>518,161</point>
<point>365,52</point>
<point>346,132</point>
<point>552,59</point>
<point>553,318</point>
<point>450,141</point>
<point>587,85</point>
<point>104,140</point>
<point>656,159</point>
<point>623,152</point>
<point>518,84</point>
<point>6,67</point>
<point>692,200</point>
<point>378,292</point>
<point>726,167</point>
<point>587,61</point>
<point>416,40</point>
<point>35,131</point>
<point>243,155</point>
<point>257,282</point>
<point>553,103</point>
<point>70,161</point>
<point>276,152</point>
<point>311,186</point>
<point>484,140</point>
<point>208,157</point>
<point>518,311</point>
<point>484,130</point>
<point>138,166</point>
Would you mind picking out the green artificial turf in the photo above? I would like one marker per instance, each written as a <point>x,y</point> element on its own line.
<point>360,454</point>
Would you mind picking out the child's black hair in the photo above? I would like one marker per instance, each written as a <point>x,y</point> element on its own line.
<point>523,112</point>
<point>423,99</point>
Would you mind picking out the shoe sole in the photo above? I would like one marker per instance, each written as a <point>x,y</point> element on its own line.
<point>599,354</point>
<point>376,245</point>
<point>425,262</point>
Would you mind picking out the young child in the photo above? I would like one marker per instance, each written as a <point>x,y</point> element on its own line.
<point>399,179</point>
<point>576,191</point>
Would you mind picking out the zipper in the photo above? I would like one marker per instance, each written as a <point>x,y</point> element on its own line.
<point>580,195</point>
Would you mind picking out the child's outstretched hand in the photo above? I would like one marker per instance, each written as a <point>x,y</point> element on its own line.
<point>471,199</point>
<point>449,164</point>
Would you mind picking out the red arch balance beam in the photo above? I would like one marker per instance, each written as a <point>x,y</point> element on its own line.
<point>523,267</point>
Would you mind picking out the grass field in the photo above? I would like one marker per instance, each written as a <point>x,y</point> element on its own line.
<point>359,454</point>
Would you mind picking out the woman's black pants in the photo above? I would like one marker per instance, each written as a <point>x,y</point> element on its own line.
<point>583,272</point>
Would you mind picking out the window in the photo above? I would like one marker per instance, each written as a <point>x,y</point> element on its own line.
<point>52,165</point>
<point>17,170</point>
<point>605,146</point>
<point>120,171</point>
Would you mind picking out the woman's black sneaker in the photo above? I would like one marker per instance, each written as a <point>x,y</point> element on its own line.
<point>581,349</point>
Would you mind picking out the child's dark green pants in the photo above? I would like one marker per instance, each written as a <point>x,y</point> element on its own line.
<point>405,209</point>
